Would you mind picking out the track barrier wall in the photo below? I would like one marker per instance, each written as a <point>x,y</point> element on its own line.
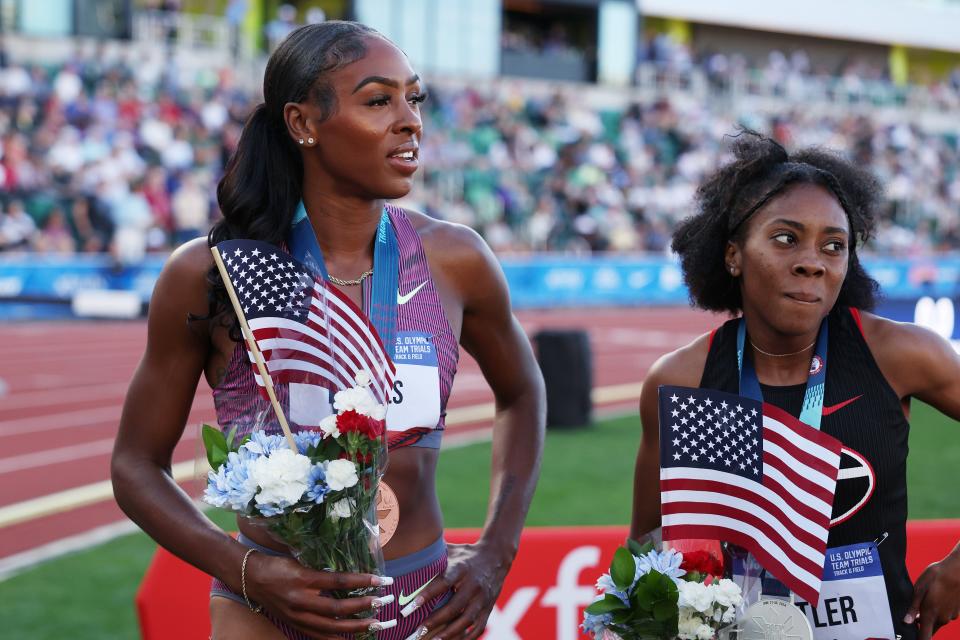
<point>540,281</point>
<point>543,597</point>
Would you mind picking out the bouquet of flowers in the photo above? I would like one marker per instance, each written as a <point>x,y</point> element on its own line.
<point>662,595</point>
<point>319,500</point>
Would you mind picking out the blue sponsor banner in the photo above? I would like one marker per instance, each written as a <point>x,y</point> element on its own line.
<point>926,291</point>
<point>52,278</point>
<point>549,281</point>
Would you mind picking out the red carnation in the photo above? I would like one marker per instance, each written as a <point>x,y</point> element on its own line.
<point>350,421</point>
<point>703,562</point>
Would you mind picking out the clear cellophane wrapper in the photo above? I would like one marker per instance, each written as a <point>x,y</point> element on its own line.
<point>322,540</point>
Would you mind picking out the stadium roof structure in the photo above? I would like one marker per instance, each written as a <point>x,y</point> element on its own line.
<point>928,24</point>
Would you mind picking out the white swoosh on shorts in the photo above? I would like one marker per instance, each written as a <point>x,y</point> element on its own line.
<point>403,600</point>
<point>404,299</point>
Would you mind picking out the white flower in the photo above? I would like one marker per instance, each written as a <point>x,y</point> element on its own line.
<point>341,509</point>
<point>362,378</point>
<point>357,399</point>
<point>704,632</point>
<point>695,595</point>
<point>727,593</point>
<point>282,477</point>
<point>329,427</point>
<point>729,615</point>
<point>687,625</point>
<point>341,474</point>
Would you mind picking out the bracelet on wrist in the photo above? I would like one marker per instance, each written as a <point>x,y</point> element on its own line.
<point>243,582</point>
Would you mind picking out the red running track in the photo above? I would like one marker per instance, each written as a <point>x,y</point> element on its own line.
<point>62,387</point>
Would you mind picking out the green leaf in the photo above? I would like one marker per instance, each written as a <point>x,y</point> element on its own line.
<point>609,604</point>
<point>213,440</point>
<point>644,596</point>
<point>638,549</point>
<point>673,592</point>
<point>217,457</point>
<point>621,616</point>
<point>215,444</point>
<point>622,569</point>
<point>664,610</point>
<point>230,436</point>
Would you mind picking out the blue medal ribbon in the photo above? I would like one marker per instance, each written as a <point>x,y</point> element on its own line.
<point>386,269</point>
<point>810,414</point>
<point>812,410</point>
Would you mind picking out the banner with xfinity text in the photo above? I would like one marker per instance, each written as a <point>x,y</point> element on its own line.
<point>550,583</point>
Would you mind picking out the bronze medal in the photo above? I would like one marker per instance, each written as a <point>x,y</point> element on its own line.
<point>388,512</point>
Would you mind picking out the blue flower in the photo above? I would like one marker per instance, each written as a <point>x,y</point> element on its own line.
<point>307,439</point>
<point>231,486</point>
<point>606,585</point>
<point>269,510</point>
<point>263,444</point>
<point>317,488</point>
<point>666,562</point>
<point>596,624</point>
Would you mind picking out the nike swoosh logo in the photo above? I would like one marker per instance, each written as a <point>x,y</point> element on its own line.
<point>840,405</point>
<point>404,299</point>
<point>403,600</point>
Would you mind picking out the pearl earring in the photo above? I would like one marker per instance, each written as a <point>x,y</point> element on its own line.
<point>309,140</point>
<point>301,140</point>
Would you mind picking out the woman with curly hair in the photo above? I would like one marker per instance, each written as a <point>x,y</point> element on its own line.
<point>337,137</point>
<point>774,242</point>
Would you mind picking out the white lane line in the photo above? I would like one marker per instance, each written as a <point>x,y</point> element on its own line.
<point>81,418</point>
<point>95,492</point>
<point>43,397</point>
<point>77,497</point>
<point>12,565</point>
<point>55,456</point>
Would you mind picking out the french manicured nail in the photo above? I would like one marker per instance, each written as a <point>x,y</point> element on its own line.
<point>413,606</point>
<point>379,603</point>
<point>380,626</point>
<point>382,581</point>
<point>419,633</point>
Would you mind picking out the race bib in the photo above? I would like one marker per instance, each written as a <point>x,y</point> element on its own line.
<point>853,597</point>
<point>415,400</point>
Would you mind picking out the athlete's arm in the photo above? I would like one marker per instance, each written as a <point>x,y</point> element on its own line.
<point>919,363</point>
<point>492,335</point>
<point>154,415</point>
<point>680,368</point>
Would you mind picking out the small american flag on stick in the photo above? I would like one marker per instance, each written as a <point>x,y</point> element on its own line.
<point>739,470</point>
<point>307,331</point>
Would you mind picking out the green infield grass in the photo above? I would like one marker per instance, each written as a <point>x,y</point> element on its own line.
<point>586,479</point>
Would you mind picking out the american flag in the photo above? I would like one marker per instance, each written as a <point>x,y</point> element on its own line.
<point>739,470</point>
<point>307,331</point>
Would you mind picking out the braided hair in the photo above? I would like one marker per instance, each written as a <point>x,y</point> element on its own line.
<point>761,170</point>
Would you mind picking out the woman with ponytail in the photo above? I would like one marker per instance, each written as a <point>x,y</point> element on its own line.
<point>774,243</point>
<point>336,137</point>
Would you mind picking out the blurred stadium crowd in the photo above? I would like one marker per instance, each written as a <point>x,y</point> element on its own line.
<point>124,156</point>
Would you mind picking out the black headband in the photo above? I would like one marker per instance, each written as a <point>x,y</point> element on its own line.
<point>781,176</point>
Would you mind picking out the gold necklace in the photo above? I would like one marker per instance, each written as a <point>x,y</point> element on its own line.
<point>351,283</point>
<point>782,355</point>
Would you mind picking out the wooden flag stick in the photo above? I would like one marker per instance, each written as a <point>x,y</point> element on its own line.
<point>252,345</point>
